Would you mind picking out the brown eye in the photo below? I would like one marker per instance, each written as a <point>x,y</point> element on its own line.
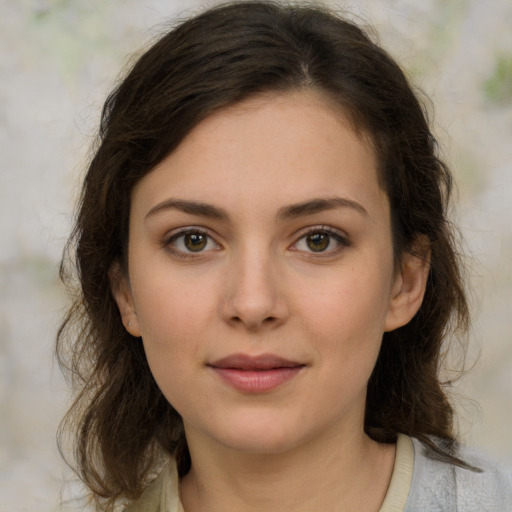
<point>321,241</point>
<point>195,242</point>
<point>191,242</point>
<point>318,242</point>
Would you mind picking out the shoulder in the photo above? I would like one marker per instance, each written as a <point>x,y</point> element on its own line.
<point>439,486</point>
<point>491,488</point>
<point>161,495</point>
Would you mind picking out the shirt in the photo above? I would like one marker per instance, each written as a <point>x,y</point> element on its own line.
<point>418,483</point>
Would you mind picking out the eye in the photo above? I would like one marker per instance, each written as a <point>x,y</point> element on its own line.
<point>191,241</point>
<point>321,241</point>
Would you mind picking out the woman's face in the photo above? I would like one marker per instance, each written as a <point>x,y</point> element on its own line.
<point>261,274</point>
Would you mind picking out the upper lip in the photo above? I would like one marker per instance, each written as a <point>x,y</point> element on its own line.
<point>247,362</point>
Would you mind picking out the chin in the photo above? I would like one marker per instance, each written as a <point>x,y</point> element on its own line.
<point>261,437</point>
<point>260,445</point>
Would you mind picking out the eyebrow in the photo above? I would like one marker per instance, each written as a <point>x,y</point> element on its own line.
<point>191,207</point>
<point>319,205</point>
<point>292,211</point>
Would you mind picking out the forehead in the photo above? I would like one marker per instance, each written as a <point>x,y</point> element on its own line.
<point>272,148</point>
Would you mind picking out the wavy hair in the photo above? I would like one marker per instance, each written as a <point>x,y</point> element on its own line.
<point>122,425</point>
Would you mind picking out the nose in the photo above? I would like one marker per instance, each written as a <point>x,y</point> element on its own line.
<point>254,298</point>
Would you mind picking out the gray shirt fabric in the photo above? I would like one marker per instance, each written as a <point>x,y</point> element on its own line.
<point>433,486</point>
<point>442,487</point>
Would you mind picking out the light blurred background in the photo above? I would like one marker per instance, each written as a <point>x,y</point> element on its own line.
<point>59,59</point>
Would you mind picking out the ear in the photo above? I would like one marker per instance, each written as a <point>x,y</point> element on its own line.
<point>409,285</point>
<point>122,293</point>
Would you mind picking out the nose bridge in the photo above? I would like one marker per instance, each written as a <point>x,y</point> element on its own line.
<point>253,292</point>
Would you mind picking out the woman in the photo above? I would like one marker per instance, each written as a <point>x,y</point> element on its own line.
<point>267,280</point>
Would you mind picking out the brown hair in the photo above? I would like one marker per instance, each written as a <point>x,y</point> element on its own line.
<point>123,422</point>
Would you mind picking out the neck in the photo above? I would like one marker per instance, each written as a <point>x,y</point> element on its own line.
<point>330,476</point>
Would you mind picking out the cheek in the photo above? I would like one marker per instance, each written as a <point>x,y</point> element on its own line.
<point>168,298</point>
<point>350,306</point>
<point>173,314</point>
<point>171,334</point>
<point>346,324</point>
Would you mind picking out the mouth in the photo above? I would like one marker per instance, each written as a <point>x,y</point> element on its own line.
<point>256,374</point>
<point>245,362</point>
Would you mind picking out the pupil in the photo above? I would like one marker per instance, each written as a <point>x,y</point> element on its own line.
<point>318,242</point>
<point>195,241</point>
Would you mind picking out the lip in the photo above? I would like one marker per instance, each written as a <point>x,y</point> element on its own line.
<point>256,374</point>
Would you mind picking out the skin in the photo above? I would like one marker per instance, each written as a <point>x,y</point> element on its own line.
<point>258,285</point>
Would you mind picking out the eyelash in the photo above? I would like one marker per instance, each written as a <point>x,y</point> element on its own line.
<point>174,237</point>
<point>341,241</point>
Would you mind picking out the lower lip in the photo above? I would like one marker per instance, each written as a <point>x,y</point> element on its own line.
<point>257,381</point>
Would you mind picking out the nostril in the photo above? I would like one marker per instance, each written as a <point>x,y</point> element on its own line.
<point>269,320</point>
